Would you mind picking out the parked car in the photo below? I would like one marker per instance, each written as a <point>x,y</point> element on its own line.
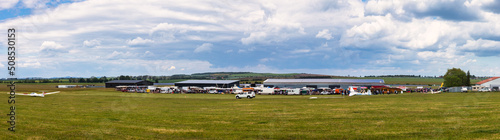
<point>464,89</point>
<point>248,95</point>
<point>484,89</point>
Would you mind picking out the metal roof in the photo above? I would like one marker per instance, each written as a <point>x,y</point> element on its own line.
<point>324,81</point>
<point>125,81</point>
<point>487,80</point>
<point>163,84</point>
<point>207,82</point>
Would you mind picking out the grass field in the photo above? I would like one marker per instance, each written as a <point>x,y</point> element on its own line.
<point>108,114</point>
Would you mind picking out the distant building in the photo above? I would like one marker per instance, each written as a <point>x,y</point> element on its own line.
<point>493,83</point>
<point>163,84</point>
<point>114,83</point>
<point>322,83</point>
<point>208,83</point>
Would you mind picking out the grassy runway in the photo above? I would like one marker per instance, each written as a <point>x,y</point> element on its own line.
<point>108,114</point>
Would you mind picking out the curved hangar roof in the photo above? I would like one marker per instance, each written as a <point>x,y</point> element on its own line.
<point>327,81</point>
<point>207,82</point>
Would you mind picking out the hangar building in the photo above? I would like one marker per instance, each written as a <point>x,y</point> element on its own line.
<point>493,83</point>
<point>322,83</point>
<point>114,83</point>
<point>208,83</point>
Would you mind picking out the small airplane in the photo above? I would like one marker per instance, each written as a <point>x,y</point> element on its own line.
<point>435,92</point>
<point>354,90</point>
<point>33,94</point>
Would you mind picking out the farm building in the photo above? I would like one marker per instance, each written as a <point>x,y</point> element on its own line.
<point>114,83</point>
<point>322,83</point>
<point>493,83</point>
<point>208,83</point>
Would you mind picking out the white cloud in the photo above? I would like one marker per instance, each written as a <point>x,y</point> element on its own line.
<point>171,68</point>
<point>33,64</point>
<point>168,68</point>
<point>91,43</point>
<point>122,55</point>
<point>205,47</point>
<point>35,3</point>
<point>381,7</point>
<point>254,37</point>
<point>301,51</point>
<point>414,32</point>
<point>325,33</point>
<point>263,60</point>
<point>482,47</point>
<point>481,44</point>
<point>51,46</point>
<point>7,4</point>
<point>139,41</point>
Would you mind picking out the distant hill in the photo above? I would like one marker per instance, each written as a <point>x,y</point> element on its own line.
<point>247,75</point>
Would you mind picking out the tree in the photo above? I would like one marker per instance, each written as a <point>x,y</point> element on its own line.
<point>468,79</point>
<point>104,79</point>
<point>93,80</point>
<point>455,77</point>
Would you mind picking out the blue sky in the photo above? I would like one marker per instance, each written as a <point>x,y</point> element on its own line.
<point>343,37</point>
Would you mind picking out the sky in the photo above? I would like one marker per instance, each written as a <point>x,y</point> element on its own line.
<point>84,38</point>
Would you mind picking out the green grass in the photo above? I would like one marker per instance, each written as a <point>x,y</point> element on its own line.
<point>108,114</point>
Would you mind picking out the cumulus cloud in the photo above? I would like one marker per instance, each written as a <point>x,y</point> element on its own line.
<point>325,33</point>
<point>91,43</point>
<point>122,55</point>
<point>7,4</point>
<point>52,48</point>
<point>35,3</point>
<point>139,41</point>
<point>383,34</point>
<point>205,47</point>
<point>455,10</point>
<point>493,6</point>
<point>483,48</point>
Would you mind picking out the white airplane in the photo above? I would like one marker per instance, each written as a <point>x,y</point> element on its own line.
<point>432,91</point>
<point>354,91</point>
<point>33,94</point>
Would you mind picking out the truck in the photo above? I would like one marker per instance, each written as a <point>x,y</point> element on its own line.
<point>248,95</point>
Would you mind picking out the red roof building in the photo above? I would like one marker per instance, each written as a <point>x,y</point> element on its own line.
<point>493,83</point>
<point>487,80</point>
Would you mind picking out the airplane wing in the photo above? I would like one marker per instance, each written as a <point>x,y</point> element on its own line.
<point>52,92</point>
<point>27,94</point>
<point>24,94</point>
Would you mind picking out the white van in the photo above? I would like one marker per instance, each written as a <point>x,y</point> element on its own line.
<point>248,95</point>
